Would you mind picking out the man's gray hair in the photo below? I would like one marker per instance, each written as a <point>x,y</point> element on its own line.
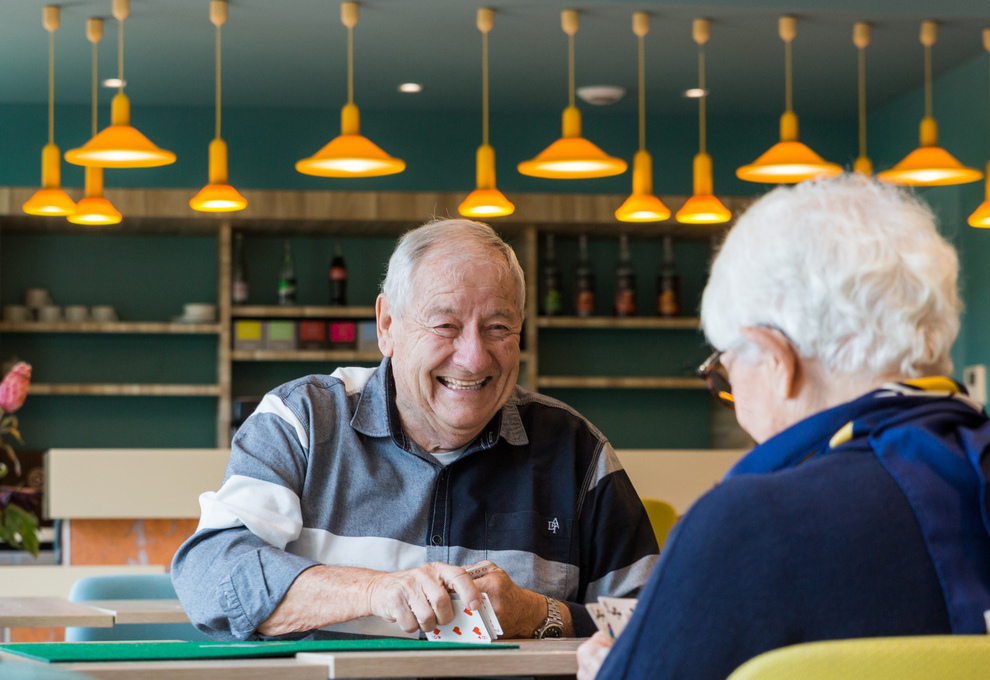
<point>854,272</point>
<point>465,242</point>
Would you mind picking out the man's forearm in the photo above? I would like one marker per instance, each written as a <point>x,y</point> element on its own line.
<point>321,596</point>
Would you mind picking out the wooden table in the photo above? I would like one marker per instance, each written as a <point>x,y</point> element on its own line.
<point>141,611</point>
<point>533,658</point>
<point>48,612</point>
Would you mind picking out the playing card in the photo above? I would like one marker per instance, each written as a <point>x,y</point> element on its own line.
<point>488,613</point>
<point>597,612</point>
<point>477,572</point>
<point>468,626</point>
<point>618,611</point>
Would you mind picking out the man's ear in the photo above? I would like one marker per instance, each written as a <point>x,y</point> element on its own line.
<point>785,363</point>
<point>383,321</point>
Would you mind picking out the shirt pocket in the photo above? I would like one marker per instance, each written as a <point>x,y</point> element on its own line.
<point>533,549</point>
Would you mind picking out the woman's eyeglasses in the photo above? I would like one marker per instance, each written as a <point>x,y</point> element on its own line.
<point>717,379</point>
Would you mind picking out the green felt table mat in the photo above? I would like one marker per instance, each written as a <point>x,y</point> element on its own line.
<point>175,650</point>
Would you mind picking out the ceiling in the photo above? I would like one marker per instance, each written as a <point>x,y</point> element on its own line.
<point>291,53</point>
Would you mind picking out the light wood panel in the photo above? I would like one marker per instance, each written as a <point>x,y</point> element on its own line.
<point>615,322</point>
<point>124,390</point>
<point>141,611</point>
<point>301,312</point>
<point>303,355</point>
<point>50,612</point>
<point>135,327</point>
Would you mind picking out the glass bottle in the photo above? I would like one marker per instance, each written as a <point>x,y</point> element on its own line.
<point>287,276</point>
<point>552,300</point>
<point>338,277</point>
<point>668,283</point>
<point>239,279</point>
<point>625,281</point>
<point>584,281</point>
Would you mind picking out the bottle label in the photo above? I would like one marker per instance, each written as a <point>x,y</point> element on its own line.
<point>239,292</point>
<point>338,273</point>
<point>286,292</point>
<point>667,303</point>
<point>584,304</point>
<point>625,303</point>
<point>553,302</point>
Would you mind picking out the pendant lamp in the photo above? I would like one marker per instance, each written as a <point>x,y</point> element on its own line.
<point>350,154</point>
<point>703,207</point>
<point>929,164</point>
<point>572,156</point>
<point>94,209</point>
<point>642,205</point>
<point>485,200</point>
<point>861,38</point>
<point>120,145</point>
<point>981,217</point>
<point>787,161</point>
<point>218,195</point>
<point>50,199</point>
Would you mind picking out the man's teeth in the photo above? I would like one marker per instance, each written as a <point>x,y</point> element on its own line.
<point>455,384</point>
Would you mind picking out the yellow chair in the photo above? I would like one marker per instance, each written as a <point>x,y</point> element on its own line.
<point>662,517</point>
<point>954,657</point>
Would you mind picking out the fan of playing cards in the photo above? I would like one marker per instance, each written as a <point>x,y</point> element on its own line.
<point>611,614</point>
<point>480,626</point>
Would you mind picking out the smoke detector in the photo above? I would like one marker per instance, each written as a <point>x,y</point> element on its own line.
<point>601,95</point>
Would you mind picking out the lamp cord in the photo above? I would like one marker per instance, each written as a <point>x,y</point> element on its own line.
<point>788,75</point>
<point>484,88</point>
<point>95,78</point>
<point>701,100</point>
<point>350,65</point>
<point>218,82</point>
<point>642,93</point>
<point>120,54</point>
<point>862,102</point>
<point>928,81</point>
<point>51,87</point>
<point>570,69</point>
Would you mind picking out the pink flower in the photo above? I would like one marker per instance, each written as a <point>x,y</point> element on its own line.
<point>14,388</point>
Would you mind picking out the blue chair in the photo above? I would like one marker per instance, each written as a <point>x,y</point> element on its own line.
<point>129,587</point>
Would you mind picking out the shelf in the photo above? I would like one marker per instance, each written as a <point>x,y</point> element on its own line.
<point>124,390</point>
<point>151,327</point>
<point>681,322</point>
<point>304,355</point>
<point>610,382</point>
<point>301,312</point>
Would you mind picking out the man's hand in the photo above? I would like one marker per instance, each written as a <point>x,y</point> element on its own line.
<point>520,612</point>
<point>591,655</point>
<point>418,599</point>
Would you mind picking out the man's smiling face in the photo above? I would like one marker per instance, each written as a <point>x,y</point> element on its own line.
<point>455,348</point>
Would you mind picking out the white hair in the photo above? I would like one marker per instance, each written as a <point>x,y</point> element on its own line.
<point>854,272</point>
<point>465,243</point>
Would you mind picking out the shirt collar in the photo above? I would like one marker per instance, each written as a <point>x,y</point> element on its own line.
<point>377,416</point>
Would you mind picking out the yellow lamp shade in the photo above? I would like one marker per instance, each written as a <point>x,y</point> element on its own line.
<point>929,164</point>
<point>218,195</point>
<point>120,145</point>
<point>981,217</point>
<point>486,200</point>
<point>642,205</point>
<point>95,211</point>
<point>351,154</point>
<point>703,210</point>
<point>788,161</point>
<point>572,156</point>
<point>50,199</point>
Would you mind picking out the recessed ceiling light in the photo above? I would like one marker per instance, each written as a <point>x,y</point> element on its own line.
<point>113,82</point>
<point>601,95</point>
<point>410,87</point>
<point>695,93</point>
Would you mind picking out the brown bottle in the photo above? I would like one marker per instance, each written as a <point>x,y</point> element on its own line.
<point>668,283</point>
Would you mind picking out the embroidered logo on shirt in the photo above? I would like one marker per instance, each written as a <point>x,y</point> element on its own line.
<point>553,525</point>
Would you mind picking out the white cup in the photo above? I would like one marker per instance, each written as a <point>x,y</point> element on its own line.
<point>76,313</point>
<point>199,312</point>
<point>50,314</point>
<point>104,313</point>
<point>36,298</point>
<point>16,313</point>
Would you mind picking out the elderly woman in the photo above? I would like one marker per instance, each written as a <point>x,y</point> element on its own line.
<point>863,510</point>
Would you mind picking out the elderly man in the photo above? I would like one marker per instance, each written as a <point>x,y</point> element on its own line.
<point>353,502</point>
<point>863,510</point>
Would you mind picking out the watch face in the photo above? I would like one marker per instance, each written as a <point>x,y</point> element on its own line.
<point>552,631</point>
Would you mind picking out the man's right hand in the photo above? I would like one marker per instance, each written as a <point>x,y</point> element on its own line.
<point>418,599</point>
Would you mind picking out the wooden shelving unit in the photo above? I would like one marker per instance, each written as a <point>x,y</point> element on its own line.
<point>618,382</point>
<point>647,322</point>
<point>303,355</point>
<point>300,312</point>
<point>125,390</point>
<point>135,327</point>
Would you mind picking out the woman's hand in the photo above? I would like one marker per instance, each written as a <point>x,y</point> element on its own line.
<point>591,655</point>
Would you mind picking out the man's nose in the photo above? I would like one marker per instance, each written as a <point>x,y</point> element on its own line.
<point>470,352</point>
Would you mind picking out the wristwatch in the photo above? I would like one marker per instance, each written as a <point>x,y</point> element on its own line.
<point>553,625</point>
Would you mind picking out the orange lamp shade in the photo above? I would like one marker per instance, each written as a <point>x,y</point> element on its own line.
<point>572,156</point>
<point>642,205</point>
<point>703,207</point>
<point>351,154</point>
<point>94,209</point>
<point>485,200</point>
<point>218,195</point>
<point>929,164</point>
<point>981,216</point>
<point>120,145</point>
<point>50,199</point>
<point>788,161</point>
<point>864,166</point>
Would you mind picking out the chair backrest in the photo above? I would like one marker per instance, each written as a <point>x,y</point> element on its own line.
<point>129,587</point>
<point>662,516</point>
<point>959,657</point>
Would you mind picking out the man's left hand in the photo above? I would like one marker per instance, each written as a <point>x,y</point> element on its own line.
<point>591,655</point>
<point>520,612</point>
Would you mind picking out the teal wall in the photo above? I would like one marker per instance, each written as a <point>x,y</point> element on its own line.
<point>150,277</point>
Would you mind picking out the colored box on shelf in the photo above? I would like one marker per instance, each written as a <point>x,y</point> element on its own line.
<point>280,335</point>
<point>343,335</point>
<point>312,334</point>
<point>367,336</point>
<point>247,334</point>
